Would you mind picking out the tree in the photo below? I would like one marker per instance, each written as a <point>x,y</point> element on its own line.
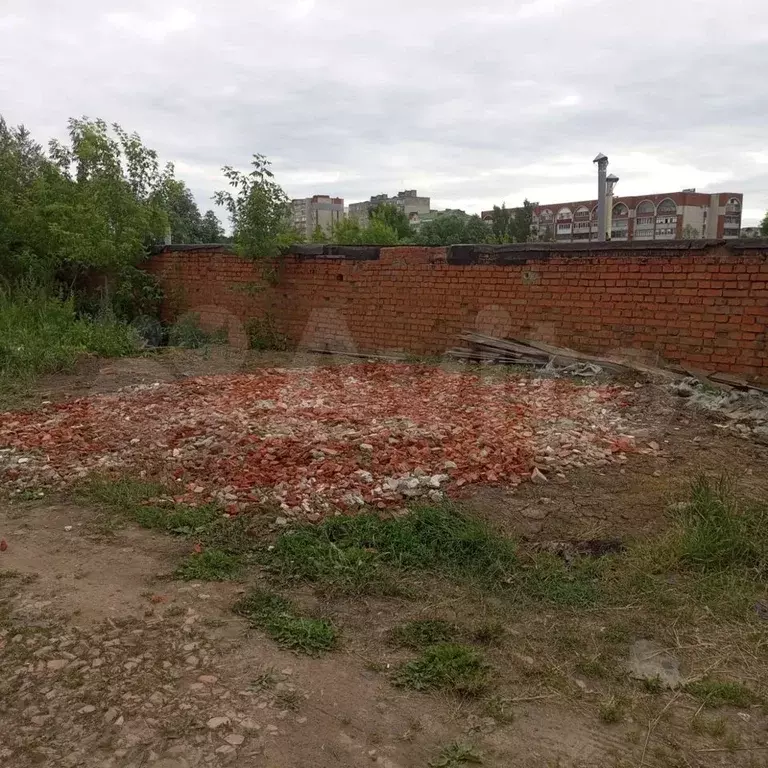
<point>350,232</point>
<point>452,229</point>
<point>184,219</point>
<point>520,226</point>
<point>319,235</point>
<point>211,230</point>
<point>690,232</point>
<point>107,211</point>
<point>394,218</point>
<point>501,219</point>
<point>764,225</point>
<point>258,210</point>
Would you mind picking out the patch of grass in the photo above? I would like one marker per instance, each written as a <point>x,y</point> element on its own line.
<point>41,333</point>
<point>719,534</point>
<point>209,565</point>
<point>653,684</point>
<point>713,693</point>
<point>121,493</point>
<point>186,332</point>
<point>149,505</point>
<point>422,632</point>
<point>550,579</point>
<point>455,755</point>
<point>278,618</point>
<point>356,554</point>
<point>490,633</point>
<point>445,666</point>
<point>612,710</point>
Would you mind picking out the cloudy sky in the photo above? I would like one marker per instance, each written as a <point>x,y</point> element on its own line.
<point>472,102</point>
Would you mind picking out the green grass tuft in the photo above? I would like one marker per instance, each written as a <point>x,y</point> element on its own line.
<point>713,693</point>
<point>356,554</point>
<point>445,666</point>
<point>422,632</point>
<point>719,535</point>
<point>209,565</point>
<point>278,618</point>
<point>455,755</point>
<point>612,710</point>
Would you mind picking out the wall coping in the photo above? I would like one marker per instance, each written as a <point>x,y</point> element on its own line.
<point>512,253</point>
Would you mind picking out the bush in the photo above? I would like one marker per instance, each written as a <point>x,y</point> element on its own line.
<point>42,334</point>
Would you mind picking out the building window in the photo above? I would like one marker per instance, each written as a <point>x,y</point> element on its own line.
<point>666,207</point>
<point>645,208</point>
<point>645,221</point>
<point>564,214</point>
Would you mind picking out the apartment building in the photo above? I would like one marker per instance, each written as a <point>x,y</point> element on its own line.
<point>309,213</point>
<point>667,216</point>
<point>408,201</point>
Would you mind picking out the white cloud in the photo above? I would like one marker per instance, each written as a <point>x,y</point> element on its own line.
<point>154,28</point>
<point>471,103</point>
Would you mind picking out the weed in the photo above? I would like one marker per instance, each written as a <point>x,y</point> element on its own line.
<point>445,666</point>
<point>264,335</point>
<point>653,684</point>
<point>277,617</point>
<point>423,632</point>
<point>591,667</point>
<point>713,693</point>
<point>40,333</point>
<point>715,727</point>
<point>174,610</point>
<point>291,700</point>
<point>500,709</point>
<point>353,553</point>
<point>264,681</point>
<point>490,633</point>
<point>718,535</point>
<point>186,332</point>
<point>209,565</point>
<point>455,755</point>
<point>612,710</point>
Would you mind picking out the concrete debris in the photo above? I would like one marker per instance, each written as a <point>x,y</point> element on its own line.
<point>649,661</point>
<point>742,412</point>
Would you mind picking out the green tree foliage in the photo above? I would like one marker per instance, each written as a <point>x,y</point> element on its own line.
<point>501,219</point>
<point>258,210</point>
<point>764,225</point>
<point>211,230</point>
<point>453,229</point>
<point>377,232</point>
<point>512,225</point>
<point>319,235</point>
<point>520,226</point>
<point>391,216</point>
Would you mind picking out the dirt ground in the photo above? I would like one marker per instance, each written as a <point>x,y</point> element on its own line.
<point>108,662</point>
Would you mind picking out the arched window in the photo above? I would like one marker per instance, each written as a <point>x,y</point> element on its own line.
<point>646,208</point>
<point>582,213</point>
<point>564,214</point>
<point>620,211</point>
<point>666,207</point>
<point>733,205</point>
<point>545,215</point>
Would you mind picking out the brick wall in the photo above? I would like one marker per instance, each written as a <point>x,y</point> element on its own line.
<point>702,304</point>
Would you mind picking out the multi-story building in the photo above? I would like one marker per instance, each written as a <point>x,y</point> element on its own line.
<point>309,213</point>
<point>407,201</point>
<point>685,215</point>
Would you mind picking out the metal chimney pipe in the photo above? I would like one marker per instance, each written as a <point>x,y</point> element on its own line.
<point>602,170</point>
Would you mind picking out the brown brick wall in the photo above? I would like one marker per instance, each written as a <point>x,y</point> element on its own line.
<point>706,307</point>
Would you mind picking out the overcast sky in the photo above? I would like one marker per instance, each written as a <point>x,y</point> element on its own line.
<point>472,102</point>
